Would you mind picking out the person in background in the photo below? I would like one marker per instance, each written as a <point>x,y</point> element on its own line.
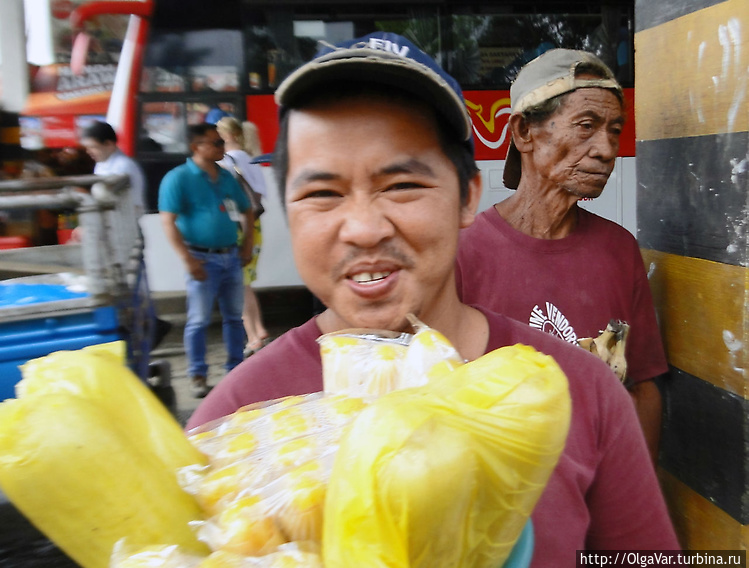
<point>200,205</point>
<point>242,144</point>
<point>538,256</point>
<point>100,141</point>
<point>375,165</point>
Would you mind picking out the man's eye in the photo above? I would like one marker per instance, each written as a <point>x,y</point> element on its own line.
<point>405,185</point>
<point>317,193</point>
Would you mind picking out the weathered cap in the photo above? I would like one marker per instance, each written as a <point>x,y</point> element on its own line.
<point>551,74</point>
<point>387,59</point>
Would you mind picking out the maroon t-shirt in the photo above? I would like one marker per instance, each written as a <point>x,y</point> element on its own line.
<point>603,494</point>
<point>568,287</point>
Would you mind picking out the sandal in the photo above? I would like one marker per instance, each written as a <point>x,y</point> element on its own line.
<point>254,347</point>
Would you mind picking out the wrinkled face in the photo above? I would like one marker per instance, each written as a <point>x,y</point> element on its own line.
<point>99,151</point>
<point>575,148</point>
<point>374,211</point>
<point>209,147</point>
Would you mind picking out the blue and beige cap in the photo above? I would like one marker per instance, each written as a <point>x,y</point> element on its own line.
<point>549,75</point>
<point>381,58</point>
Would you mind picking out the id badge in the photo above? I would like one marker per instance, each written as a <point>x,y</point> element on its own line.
<point>231,209</point>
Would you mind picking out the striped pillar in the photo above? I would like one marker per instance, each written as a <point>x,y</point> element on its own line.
<point>692,116</point>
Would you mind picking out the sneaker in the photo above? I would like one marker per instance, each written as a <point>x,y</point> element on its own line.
<point>199,387</point>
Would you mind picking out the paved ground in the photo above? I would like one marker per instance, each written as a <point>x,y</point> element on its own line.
<point>281,311</point>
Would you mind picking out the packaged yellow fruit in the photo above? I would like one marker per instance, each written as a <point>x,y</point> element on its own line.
<point>82,480</point>
<point>429,353</point>
<point>446,475</point>
<point>128,555</point>
<point>362,362</point>
<point>244,527</point>
<point>369,362</point>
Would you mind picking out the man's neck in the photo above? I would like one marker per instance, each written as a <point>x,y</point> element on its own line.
<point>208,166</point>
<point>539,215</point>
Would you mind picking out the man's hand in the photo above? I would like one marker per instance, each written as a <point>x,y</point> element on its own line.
<point>245,252</point>
<point>195,268</point>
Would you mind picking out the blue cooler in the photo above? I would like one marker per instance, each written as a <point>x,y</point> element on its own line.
<point>37,319</point>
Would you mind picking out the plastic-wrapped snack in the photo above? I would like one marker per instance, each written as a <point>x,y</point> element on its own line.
<point>253,429</point>
<point>126,555</point>
<point>367,362</point>
<point>243,527</point>
<point>291,555</point>
<point>215,486</point>
<point>465,457</point>
<point>429,354</point>
<point>259,519</point>
<point>361,361</point>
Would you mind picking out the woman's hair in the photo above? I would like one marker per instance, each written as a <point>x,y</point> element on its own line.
<point>246,134</point>
<point>251,139</point>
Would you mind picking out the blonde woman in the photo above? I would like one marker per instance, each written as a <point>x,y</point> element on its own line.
<point>241,145</point>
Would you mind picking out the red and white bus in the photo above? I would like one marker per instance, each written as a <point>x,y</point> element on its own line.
<point>176,60</point>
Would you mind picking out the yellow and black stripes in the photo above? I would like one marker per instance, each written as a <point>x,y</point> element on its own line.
<point>692,116</point>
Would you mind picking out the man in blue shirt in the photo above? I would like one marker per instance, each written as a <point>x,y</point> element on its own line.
<point>200,205</point>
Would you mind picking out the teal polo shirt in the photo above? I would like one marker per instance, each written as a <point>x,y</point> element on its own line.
<point>200,204</point>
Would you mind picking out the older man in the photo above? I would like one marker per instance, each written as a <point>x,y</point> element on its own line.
<point>540,258</point>
<point>375,164</point>
<point>200,205</point>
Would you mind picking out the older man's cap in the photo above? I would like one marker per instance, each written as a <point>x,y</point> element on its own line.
<point>385,59</point>
<point>549,75</point>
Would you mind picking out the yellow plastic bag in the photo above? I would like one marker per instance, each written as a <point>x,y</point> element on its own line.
<point>86,484</point>
<point>98,374</point>
<point>89,455</point>
<point>446,475</point>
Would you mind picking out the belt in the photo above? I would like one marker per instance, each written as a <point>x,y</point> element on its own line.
<point>219,250</point>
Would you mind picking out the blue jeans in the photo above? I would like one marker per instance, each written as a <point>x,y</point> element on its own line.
<point>224,283</point>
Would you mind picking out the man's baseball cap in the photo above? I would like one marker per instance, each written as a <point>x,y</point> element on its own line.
<point>385,59</point>
<point>551,74</point>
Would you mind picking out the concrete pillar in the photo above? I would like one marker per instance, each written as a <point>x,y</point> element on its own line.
<point>691,93</point>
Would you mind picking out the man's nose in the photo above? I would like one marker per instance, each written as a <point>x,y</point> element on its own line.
<point>605,145</point>
<point>364,222</point>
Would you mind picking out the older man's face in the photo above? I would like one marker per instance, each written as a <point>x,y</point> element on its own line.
<point>574,149</point>
<point>374,211</point>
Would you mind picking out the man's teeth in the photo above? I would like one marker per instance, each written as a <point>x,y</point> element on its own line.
<point>364,277</point>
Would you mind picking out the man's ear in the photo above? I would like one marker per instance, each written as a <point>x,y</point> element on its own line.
<point>521,132</point>
<point>471,204</point>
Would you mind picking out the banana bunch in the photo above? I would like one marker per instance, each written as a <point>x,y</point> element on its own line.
<point>609,346</point>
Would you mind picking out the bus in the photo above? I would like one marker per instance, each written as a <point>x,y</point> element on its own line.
<point>175,61</point>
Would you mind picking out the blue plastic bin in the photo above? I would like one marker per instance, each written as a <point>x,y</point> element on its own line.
<point>40,335</point>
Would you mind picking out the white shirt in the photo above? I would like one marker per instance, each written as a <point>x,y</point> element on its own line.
<point>253,173</point>
<point>117,164</point>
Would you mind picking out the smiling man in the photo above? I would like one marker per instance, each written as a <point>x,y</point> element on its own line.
<point>375,164</point>
<point>540,258</point>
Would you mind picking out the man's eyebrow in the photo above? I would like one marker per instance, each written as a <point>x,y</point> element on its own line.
<point>621,119</point>
<point>309,175</point>
<point>410,166</point>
